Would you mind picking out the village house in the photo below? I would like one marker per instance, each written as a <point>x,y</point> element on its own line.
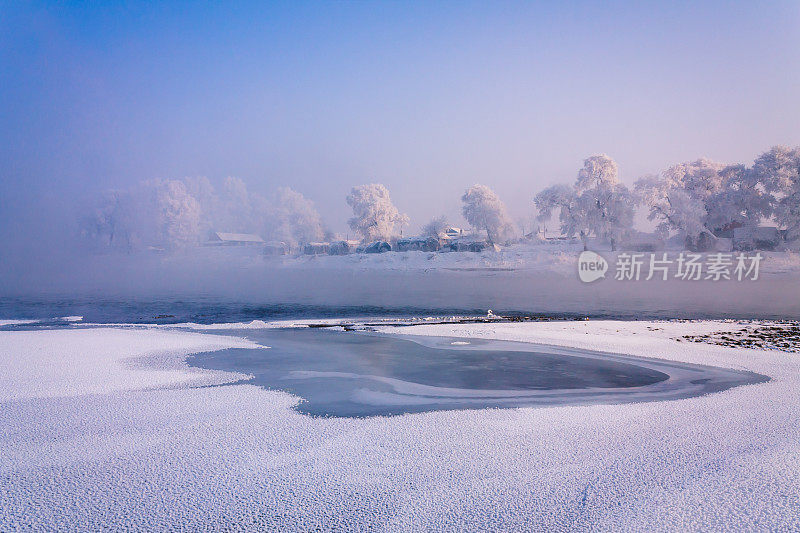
<point>219,238</point>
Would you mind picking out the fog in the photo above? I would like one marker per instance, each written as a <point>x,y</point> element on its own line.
<point>291,106</point>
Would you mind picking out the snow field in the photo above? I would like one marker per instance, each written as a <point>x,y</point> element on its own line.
<point>139,453</point>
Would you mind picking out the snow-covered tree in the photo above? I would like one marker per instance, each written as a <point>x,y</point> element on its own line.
<point>294,219</point>
<point>178,214</point>
<point>486,212</point>
<point>573,220</point>
<point>742,201</point>
<point>607,204</point>
<point>679,198</point>
<point>599,173</point>
<point>778,172</point>
<point>671,206</point>
<point>374,215</point>
<point>598,204</point>
<point>235,209</point>
<point>436,227</point>
<point>700,178</point>
<point>702,197</point>
<point>155,212</point>
<point>110,223</point>
<point>210,203</point>
<point>778,169</point>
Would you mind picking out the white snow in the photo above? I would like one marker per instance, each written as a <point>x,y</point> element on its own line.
<point>113,448</point>
<point>62,363</point>
<point>17,322</point>
<point>26,321</point>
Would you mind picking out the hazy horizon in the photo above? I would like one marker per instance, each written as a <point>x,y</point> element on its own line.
<point>425,98</point>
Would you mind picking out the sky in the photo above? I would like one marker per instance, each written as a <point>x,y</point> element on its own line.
<point>427,98</point>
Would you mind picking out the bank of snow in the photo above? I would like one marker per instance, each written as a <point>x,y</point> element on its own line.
<point>62,363</point>
<point>152,456</point>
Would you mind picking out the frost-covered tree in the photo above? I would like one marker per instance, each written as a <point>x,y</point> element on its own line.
<point>110,223</point>
<point>742,200</point>
<point>778,172</point>
<point>374,215</point>
<point>671,206</point>
<point>178,214</point>
<point>436,227</point>
<point>702,197</point>
<point>599,173</point>
<point>678,198</point>
<point>486,212</point>
<point>155,212</point>
<point>210,203</point>
<point>572,218</point>
<point>701,178</point>
<point>236,212</point>
<point>607,203</point>
<point>294,219</point>
<point>597,204</point>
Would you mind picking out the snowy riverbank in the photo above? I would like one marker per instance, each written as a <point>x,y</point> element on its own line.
<point>106,428</point>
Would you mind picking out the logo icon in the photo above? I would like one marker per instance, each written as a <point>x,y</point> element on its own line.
<point>591,266</point>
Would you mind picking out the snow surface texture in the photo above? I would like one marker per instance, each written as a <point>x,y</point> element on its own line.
<point>57,363</point>
<point>150,453</point>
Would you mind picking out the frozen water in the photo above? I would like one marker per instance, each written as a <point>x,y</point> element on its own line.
<point>355,374</point>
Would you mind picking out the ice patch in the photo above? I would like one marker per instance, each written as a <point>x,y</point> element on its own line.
<point>16,322</point>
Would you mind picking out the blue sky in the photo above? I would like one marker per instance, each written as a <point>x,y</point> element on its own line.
<point>426,97</point>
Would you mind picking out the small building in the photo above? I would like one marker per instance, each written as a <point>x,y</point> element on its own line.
<point>453,233</point>
<point>219,238</point>
<point>756,238</point>
<point>317,248</point>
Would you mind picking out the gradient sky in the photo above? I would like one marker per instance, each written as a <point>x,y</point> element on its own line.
<point>425,97</point>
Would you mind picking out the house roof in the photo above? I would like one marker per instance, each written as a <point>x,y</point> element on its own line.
<point>238,237</point>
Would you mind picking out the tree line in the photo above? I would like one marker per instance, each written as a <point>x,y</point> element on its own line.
<point>696,200</point>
